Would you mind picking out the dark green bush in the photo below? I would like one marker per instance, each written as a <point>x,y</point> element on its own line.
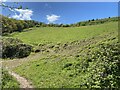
<point>23,50</point>
<point>9,51</point>
<point>13,48</point>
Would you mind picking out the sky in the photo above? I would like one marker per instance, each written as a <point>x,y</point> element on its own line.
<point>62,12</point>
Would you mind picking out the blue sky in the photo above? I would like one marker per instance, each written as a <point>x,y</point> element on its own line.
<point>63,12</point>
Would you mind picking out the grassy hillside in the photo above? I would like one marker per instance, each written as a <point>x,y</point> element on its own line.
<point>61,35</point>
<point>96,66</point>
<point>86,57</point>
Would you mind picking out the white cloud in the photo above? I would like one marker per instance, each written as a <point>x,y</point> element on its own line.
<point>52,18</point>
<point>3,0</point>
<point>24,14</point>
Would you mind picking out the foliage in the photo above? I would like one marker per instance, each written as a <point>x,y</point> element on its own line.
<point>96,22</point>
<point>8,81</point>
<point>10,25</point>
<point>15,48</point>
<point>103,66</point>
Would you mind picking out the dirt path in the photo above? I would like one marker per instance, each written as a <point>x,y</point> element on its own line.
<point>24,83</point>
<point>17,62</point>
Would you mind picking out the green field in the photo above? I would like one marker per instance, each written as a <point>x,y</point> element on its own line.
<point>83,57</point>
<point>61,34</point>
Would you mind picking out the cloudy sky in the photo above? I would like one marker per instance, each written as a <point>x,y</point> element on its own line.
<point>62,12</point>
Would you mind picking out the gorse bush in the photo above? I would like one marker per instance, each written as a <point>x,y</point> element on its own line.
<point>15,48</point>
<point>23,50</point>
<point>19,51</point>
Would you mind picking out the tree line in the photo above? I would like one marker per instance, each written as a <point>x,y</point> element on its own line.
<point>10,25</point>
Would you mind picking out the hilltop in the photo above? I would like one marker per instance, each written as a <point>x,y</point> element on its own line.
<point>10,25</point>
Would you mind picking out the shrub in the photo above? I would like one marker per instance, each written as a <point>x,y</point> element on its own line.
<point>23,50</point>
<point>103,67</point>
<point>14,48</point>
